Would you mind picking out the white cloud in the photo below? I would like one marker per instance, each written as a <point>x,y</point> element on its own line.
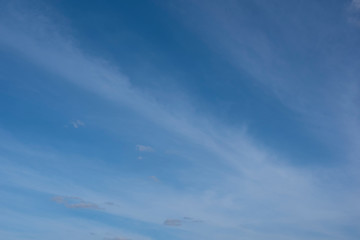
<point>77,124</point>
<point>143,148</point>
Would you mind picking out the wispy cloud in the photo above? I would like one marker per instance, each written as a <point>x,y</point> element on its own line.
<point>325,103</point>
<point>143,148</point>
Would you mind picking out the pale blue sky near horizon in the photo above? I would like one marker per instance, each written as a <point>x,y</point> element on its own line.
<point>157,120</point>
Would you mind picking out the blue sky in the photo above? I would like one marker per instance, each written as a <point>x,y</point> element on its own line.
<point>157,120</point>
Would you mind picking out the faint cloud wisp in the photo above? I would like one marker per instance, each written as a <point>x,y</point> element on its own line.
<point>75,202</point>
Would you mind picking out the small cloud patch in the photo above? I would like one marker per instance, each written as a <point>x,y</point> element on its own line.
<point>59,199</point>
<point>172,222</point>
<point>154,178</point>
<point>142,148</point>
<point>75,202</point>
<point>75,124</point>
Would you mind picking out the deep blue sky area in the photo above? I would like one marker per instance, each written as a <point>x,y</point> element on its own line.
<point>154,120</point>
